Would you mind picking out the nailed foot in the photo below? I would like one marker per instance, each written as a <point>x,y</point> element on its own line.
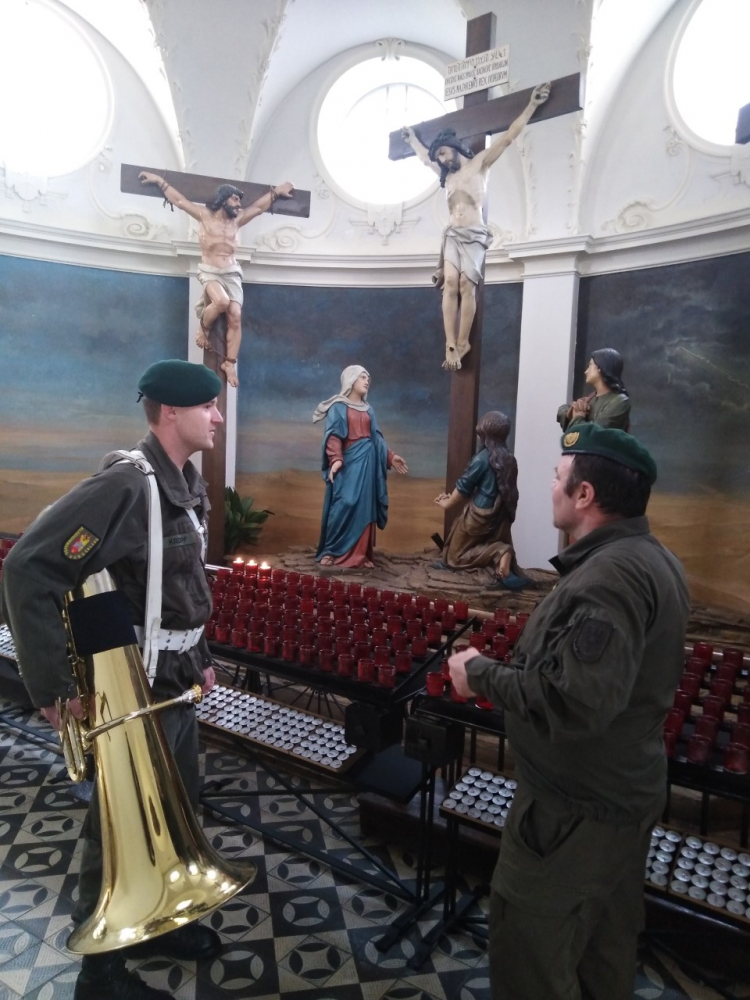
<point>452,359</point>
<point>201,339</point>
<point>230,370</point>
<point>326,561</point>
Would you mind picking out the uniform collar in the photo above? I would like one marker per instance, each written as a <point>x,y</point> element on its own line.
<point>576,553</point>
<point>181,487</point>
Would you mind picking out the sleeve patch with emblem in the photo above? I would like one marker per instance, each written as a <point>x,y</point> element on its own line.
<point>591,638</point>
<point>80,543</point>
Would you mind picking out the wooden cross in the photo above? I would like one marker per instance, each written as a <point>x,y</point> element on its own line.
<point>200,189</point>
<point>479,118</point>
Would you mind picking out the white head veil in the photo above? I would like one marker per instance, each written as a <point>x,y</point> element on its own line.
<point>348,377</point>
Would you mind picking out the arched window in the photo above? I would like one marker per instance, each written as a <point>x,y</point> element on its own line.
<point>55,96</point>
<point>711,77</point>
<point>365,103</point>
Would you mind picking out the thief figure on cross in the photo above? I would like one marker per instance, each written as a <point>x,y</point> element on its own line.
<point>219,271</point>
<point>466,239</point>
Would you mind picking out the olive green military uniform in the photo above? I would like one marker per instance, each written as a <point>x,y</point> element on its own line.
<point>594,673</point>
<point>611,409</point>
<point>103,523</point>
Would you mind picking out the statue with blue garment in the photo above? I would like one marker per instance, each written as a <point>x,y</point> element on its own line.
<point>355,464</point>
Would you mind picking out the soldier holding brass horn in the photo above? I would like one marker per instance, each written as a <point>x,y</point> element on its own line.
<point>103,525</point>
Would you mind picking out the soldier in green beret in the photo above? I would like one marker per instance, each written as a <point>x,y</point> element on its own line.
<point>103,523</point>
<point>592,677</point>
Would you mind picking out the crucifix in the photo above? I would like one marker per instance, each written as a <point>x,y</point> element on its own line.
<point>440,142</point>
<point>217,206</point>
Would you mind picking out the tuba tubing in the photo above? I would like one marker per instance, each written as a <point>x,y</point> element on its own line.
<point>159,871</point>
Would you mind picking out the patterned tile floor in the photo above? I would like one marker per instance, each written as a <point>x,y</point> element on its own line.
<point>301,931</point>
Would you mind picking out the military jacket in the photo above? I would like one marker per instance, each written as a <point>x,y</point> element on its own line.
<point>102,523</point>
<point>593,674</point>
<point>612,409</point>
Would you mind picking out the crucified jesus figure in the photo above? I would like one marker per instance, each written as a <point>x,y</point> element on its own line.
<point>466,238</point>
<point>219,272</point>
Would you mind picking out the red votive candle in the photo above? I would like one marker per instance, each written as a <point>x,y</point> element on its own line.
<point>399,642</point>
<point>307,605</point>
<point>325,660</point>
<point>500,646</point>
<point>288,650</point>
<point>354,590</point>
<point>240,621</point>
<point>251,570</point>
<point>270,646</point>
<point>435,683</point>
<point>386,675</point>
<point>225,617</point>
<point>733,655</point>
<point>307,580</point>
<point>727,672</point>
<point>209,629</point>
<point>293,578</point>
<point>483,703</point>
<point>290,619</point>
<point>403,661</point>
<point>419,647</point>
<point>386,595</point>
<point>461,610</point>
<point>255,642</point>
<point>358,617</point>
<point>343,646</point>
<point>346,665</point>
<point>306,655</point>
<point>244,607</point>
<point>362,649</point>
<point>365,671</point>
<point>683,700</point>
<point>325,626</point>
<point>341,630</point>
<point>223,573</point>
<point>502,616</point>
<point>272,630</point>
<point>740,734</point>
<point>736,758</point>
<point>361,633</point>
<point>413,629</point>
<point>391,608</point>
<point>441,605</point>
<point>512,631</point>
<point>695,665</point>
<point>373,605</point>
<point>675,720</point>
<point>379,636</point>
<point>698,749</point>
<point>381,655</point>
<point>434,634</point>
<point>690,683</point>
<point>377,620</point>
<point>743,714</point>
<point>448,620</point>
<point>522,617</point>
<point>477,640</point>
<point>714,707</point>
<point>325,641</point>
<point>722,689</point>
<point>395,625</point>
<point>368,592</point>
<point>703,650</point>
<point>256,625</point>
<point>289,633</point>
<point>707,727</point>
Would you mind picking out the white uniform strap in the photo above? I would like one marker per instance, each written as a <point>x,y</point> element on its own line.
<point>155,554</point>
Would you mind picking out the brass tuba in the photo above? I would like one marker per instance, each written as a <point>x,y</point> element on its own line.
<point>159,871</point>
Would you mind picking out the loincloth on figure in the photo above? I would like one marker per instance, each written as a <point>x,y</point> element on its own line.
<point>464,247</point>
<point>230,279</point>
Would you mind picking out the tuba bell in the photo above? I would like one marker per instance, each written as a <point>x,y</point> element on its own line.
<point>159,871</point>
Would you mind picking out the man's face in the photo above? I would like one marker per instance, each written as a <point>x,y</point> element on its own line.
<point>196,425</point>
<point>232,206</point>
<point>447,157</point>
<point>564,514</point>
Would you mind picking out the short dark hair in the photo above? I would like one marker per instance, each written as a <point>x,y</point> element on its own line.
<point>152,409</point>
<point>222,194</point>
<point>617,489</point>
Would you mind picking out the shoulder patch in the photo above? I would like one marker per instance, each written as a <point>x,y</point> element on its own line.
<point>80,543</point>
<point>591,639</point>
<point>570,439</point>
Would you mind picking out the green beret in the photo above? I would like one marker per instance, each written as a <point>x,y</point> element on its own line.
<point>179,383</point>
<point>591,439</point>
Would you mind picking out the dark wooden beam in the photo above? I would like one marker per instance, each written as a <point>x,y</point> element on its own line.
<point>200,189</point>
<point>464,384</point>
<point>214,470</point>
<point>493,116</point>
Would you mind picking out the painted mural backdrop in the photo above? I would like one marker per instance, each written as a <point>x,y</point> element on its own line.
<point>296,342</point>
<point>73,342</point>
<point>684,332</point>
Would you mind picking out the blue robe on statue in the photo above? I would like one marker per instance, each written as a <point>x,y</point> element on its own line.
<point>358,495</point>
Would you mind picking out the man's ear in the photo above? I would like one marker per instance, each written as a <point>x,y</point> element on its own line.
<point>586,496</point>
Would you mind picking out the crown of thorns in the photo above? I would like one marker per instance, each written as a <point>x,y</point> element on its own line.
<point>448,137</point>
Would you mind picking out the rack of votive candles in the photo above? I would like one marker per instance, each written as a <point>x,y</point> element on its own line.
<point>317,625</point>
<point>7,646</point>
<point>702,873</point>
<point>494,638</point>
<point>310,738</point>
<point>708,726</point>
<point>481,797</point>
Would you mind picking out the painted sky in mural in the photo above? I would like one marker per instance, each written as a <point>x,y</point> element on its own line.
<point>297,340</point>
<point>74,343</point>
<point>684,332</point>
